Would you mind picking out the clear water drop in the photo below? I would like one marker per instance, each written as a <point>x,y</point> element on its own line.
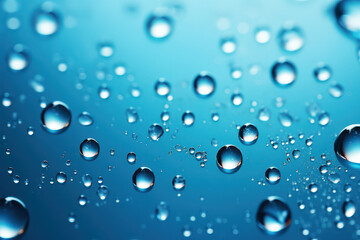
<point>248,134</point>
<point>85,119</point>
<point>322,73</point>
<point>285,119</point>
<point>89,149</point>
<point>143,179</point>
<point>236,99</point>
<point>323,119</point>
<point>283,73</point>
<point>18,59</point>
<point>102,192</point>
<point>291,38</point>
<point>155,131</point>
<point>264,114</point>
<point>132,115</point>
<point>229,159</point>
<point>46,20</point>
<point>336,90</point>
<point>349,208</point>
<point>162,211</point>
<point>56,117</point>
<point>272,175</point>
<point>347,14</point>
<point>188,118</point>
<point>347,146</point>
<point>178,183</point>
<point>204,85</point>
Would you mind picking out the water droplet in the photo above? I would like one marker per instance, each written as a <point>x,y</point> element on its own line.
<point>322,73</point>
<point>236,73</point>
<point>313,188</point>
<point>204,85</point>
<point>56,117</point>
<point>87,180</point>
<point>143,179</point>
<point>18,59</point>
<point>85,119</point>
<point>132,115</point>
<point>46,20</point>
<point>273,216</point>
<point>262,35</point>
<point>165,116</point>
<point>296,153</point>
<point>228,45</point>
<point>323,169</point>
<point>61,177</point>
<point>283,73</point>
<point>324,119</point>
<point>131,157</point>
<point>264,114</point>
<point>162,87</point>
<point>102,192</point>
<point>6,100</point>
<point>236,99</point>
<point>349,208</point>
<point>82,200</point>
<point>89,149</point>
<point>14,218</point>
<point>106,49</point>
<point>334,178</point>
<point>188,118</point>
<point>347,146</point>
<point>104,92</point>
<point>272,175</point>
<point>162,211</point>
<point>229,159</point>
<point>248,134</point>
<point>291,38</point>
<point>285,119</point>
<point>159,26</point>
<point>347,14</point>
<point>30,131</point>
<point>178,183</point>
<point>155,132</point>
<point>336,90</point>
<point>215,117</point>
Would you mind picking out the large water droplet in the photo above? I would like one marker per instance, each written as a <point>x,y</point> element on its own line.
<point>56,117</point>
<point>248,134</point>
<point>143,179</point>
<point>178,182</point>
<point>204,85</point>
<point>347,14</point>
<point>14,218</point>
<point>89,149</point>
<point>229,159</point>
<point>283,73</point>
<point>18,59</point>
<point>272,175</point>
<point>155,131</point>
<point>46,20</point>
<point>273,216</point>
<point>159,26</point>
<point>347,146</point>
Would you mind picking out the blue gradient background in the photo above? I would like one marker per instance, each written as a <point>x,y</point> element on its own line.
<point>192,47</point>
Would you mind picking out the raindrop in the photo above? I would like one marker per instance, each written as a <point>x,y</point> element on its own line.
<point>102,192</point>
<point>291,38</point>
<point>131,157</point>
<point>61,177</point>
<point>162,87</point>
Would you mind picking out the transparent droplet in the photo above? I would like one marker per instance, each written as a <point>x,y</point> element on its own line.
<point>322,73</point>
<point>178,183</point>
<point>334,178</point>
<point>87,180</point>
<point>14,218</point>
<point>236,73</point>
<point>18,59</point>
<point>324,119</point>
<point>61,177</point>
<point>162,211</point>
<point>236,99</point>
<point>296,153</point>
<point>131,157</point>
<point>272,175</point>
<point>264,114</point>
<point>313,188</point>
<point>82,200</point>
<point>347,146</point>
<point>162,87</point>
<point>229,159</point>
<point>336,90</point>
<point>291,38</point>
<point>349,208</point>
<point>56,117</point>
<point>159,26</point>
<point>248,134</point>
<point>104,92</point>
<point>30,131</point>
<point>262,35</point>
<point>106,49</point>
<point>347,14</point>
<point>102,192</point>
<point>143,179</point>
<point>85,119</point>
<point>165,116</point>
<point>228,45</point>
<point>285,119</point>
<point>204,85</point>
<point>273,216</point>
<point>283,73</point>
<point>188,118</point>
<point>47,20</point>
<point>155,131</point>
<point>89,149</point>
<point>132,115</point>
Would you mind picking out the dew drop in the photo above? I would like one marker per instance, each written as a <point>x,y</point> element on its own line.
<point>347,146</point>
<point>131,158</point>
<point>248,134</point>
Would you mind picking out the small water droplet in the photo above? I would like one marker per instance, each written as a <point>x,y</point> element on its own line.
<point>89,149</point>
<point>143,179</point>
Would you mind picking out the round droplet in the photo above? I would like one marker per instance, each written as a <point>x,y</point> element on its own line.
<point>324,119</point>
<point>272,175</point>
<point>178,182</point>
<point>102,192</point>
<point>262,35</point>
<point>313,188</point>
<point>291,38</point>
<point>248,134</point>
<point>188,118</point>
<point>143,179</point>
<point>131,157</point>
<point>229,159</point>
<point>283,73</point>
<point>322,73</point>
<point>296,153</point>
<point>336,90</point>
<point>131,115</point>
<point>104,92</point>
<point>334,178</point>
<point>155,131</point>
<point>349,208</point>
<point>236,73</point>
<point>264,114</point>
<point>162,211</point>
<point>285,119</point>
<point>14,218</point>
<point>85,119</point>
<point>87,180</point>
<point>204,85</point>
<point>236,99</point>
<point>106,49</point>
<point>347,146</point>
<point>89,149</point>
<point>18,59</point>
<point>56,117</point>
<point>61,177</point>
<point>162,87</point>
<point>165,116</point>
<point>159,26</point>
<point>46,20</point>
<point>273,216</point>
<point>82,200</point>
<point>228,45</point>
<point>347,14</point>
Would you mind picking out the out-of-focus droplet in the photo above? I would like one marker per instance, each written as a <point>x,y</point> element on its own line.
<point>104,92</point>
<point>61,177</point>
<point>159,26</point>
<point>162,211</point>
<point>87,180</point>
<point>347,14</point>
<point>204,85</point>
<point>283,73</point>
<point>132,115</point>
<point>56,117</point>
<point>47,20</point>
<point>143,179</point>
<point>229,159</point>
<point>228,45</point>
<point>264,114</point>
<point>89,149</point>
<point>262,35</point>
<point>188,118</point>
<point>236,73</point>
<point>291,38</point>
<point>273,216</point>
<point>18,59</point>
<point>14,218</point>
<point>336,90</point>
<point>285,119</point>
<point>106,49</point>
<point>324,119</point>
<point>322,72</point>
